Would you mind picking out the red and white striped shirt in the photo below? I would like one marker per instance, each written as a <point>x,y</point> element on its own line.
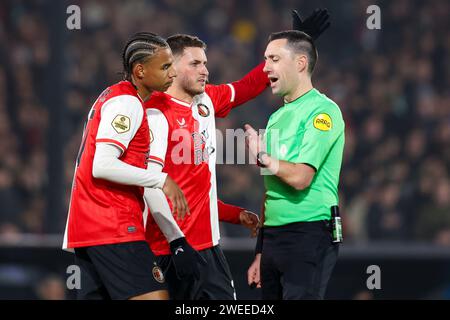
<point>104,212</point>
<point>183,141</point>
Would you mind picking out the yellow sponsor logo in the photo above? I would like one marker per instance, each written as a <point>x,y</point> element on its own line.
<point>121,123</point>
<point>323,122</point>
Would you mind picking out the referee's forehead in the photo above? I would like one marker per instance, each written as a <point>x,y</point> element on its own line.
<point>276,47</point>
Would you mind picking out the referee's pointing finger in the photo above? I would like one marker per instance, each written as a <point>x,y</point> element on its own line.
<point>249,129</point>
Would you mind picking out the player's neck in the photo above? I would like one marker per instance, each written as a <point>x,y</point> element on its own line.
<point>302,88</point>
<point>180,94</point>
<point>142,91</point>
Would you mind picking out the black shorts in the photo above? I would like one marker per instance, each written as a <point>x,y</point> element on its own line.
<point>215,283</point>
<point>118,271</point>
<point>297,260</point>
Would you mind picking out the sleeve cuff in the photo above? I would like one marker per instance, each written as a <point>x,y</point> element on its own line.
<point>163,180</point>
<point>309,162</point>
<point>156,160</point>
<point>113,142</point>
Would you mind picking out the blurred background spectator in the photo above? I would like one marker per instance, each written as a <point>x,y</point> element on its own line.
<point>51,287</point>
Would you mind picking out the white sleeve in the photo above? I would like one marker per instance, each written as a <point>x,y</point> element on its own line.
<point>160,210</point>
<point>120,119</point>
<point>107,166</point>
<point>159,135</point>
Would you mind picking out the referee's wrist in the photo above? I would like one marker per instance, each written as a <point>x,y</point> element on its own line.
<point>262,159</point>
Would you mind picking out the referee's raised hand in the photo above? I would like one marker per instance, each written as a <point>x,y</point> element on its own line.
<point>253,140</point>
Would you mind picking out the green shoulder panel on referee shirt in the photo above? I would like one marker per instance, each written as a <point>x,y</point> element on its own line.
<point>308,130</point>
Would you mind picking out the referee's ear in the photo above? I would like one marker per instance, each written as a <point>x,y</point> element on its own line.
<point>302,63</point>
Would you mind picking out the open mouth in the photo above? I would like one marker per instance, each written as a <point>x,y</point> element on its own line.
<point>273,80</point>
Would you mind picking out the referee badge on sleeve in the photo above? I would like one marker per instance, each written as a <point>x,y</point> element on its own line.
<point>323,122</point>
<point>121,123</point>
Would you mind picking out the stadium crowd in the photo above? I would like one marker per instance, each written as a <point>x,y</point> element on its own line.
<point>391,84</point>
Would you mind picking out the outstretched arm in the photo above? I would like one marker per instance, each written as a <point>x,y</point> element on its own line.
<point>238,215</point>
<point>228,96</point>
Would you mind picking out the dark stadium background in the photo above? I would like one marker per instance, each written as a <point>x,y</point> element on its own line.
<point>392,85</point>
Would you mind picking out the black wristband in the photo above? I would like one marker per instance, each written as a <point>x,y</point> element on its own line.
<point>259,241</point>
<point>259,161</point>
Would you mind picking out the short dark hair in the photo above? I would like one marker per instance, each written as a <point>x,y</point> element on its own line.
<point>139,48</point>
<point>178,42</point>
<point>299,42</point>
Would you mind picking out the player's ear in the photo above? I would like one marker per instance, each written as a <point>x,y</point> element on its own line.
<point>139,70</point>
<point>302,63</point>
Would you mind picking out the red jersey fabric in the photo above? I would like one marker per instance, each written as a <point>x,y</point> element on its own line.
<point>103,212</point>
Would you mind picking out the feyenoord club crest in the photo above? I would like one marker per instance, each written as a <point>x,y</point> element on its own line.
<point>203,110</point>
<point>158,274</point>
